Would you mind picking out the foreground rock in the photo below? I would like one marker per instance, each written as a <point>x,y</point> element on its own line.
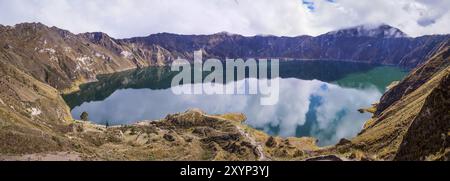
<point>192,135</point>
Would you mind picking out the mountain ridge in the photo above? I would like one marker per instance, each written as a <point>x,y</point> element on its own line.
<point>369,27</point>
<point>64,60</point>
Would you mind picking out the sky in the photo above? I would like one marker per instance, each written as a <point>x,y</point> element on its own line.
<point>131,18</point>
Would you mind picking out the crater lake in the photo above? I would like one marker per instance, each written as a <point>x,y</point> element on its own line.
<point>317,98</point>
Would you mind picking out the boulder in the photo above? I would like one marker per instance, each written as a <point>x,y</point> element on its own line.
<point>271,142</point>
<point>169,137</point>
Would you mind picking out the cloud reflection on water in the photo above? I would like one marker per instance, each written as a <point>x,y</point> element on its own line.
<point>336,114</point>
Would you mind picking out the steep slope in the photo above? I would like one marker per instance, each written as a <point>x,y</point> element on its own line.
<point>412,119</point>
<point>62,59</point>
<point>32,114</point>
<point>417,78</point>
<point>428,137</point>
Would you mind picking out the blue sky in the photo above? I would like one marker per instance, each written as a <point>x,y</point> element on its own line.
<point>310,3</point>
<point>128,18</point>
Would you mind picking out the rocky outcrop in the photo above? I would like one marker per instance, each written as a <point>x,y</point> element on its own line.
<point>191,135</point>
<point>271,142</point>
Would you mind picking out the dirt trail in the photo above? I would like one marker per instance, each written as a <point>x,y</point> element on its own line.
<point>259,148</point>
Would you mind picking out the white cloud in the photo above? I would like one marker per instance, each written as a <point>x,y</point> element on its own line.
<point>127,18</point>
<point>336,99</point>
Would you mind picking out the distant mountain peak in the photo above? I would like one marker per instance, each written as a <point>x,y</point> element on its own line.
<point>96,37</point>
<point>265,35</point>
<point>375,31</point>
<point>225,33</point>
<point>36,26</point>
